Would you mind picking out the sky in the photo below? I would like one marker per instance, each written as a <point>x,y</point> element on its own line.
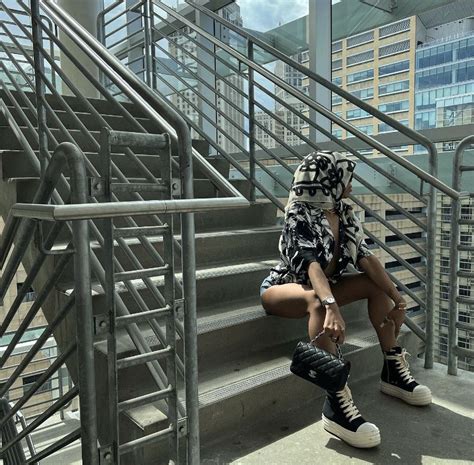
<point>262,15</point>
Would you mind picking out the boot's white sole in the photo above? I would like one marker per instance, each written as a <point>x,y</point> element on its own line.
<point>418,397</point>
<point>361,439</point>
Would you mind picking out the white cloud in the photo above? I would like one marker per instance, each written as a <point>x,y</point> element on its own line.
<point>262,15</point>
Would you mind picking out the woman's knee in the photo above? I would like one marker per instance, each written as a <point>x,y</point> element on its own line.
<point>373,290</point>
<point>314,305</point>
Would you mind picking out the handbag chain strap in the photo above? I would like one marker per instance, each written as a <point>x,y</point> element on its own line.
<point>338,347</point>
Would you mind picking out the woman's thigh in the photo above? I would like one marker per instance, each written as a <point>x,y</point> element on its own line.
<point>293,300</point>
<point>353,287</point>
<point>289,300</point>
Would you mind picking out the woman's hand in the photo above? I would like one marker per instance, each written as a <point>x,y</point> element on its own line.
<point>396,316</point>
<point>334,325</point>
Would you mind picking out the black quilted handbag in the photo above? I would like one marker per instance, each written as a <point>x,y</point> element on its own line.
<point>320,367</point>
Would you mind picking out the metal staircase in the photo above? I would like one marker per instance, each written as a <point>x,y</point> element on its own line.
<point>170,290</point>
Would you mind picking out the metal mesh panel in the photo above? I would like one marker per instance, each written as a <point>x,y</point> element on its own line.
<point>394,48</point>
<point>394,28</point>
<point>360,57</point>
<point>337,46</point>
<point>337,64</point>
<point>360,39</point>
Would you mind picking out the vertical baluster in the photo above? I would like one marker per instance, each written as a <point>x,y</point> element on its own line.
<point>40,88</point>
<point>169,295</point>
<point>107,231</point>
<point>251,123</point>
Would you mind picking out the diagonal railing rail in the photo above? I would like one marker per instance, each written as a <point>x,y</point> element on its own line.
<point>225,91</point>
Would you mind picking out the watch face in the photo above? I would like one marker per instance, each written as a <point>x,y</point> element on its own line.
<point>329,300</point>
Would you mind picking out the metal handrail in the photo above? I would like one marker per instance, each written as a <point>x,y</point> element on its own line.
<point>120,209</point>
<point>454,273</point>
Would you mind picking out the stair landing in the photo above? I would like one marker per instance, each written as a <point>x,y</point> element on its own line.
<point>439,434</point>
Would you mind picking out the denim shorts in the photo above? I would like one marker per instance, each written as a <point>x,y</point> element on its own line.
<point>266,283</point>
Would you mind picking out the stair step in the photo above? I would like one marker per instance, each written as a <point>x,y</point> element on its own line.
<point>15,164</point>
<point>116,121</point>
<point>102,106</point>
<point>212,247</point>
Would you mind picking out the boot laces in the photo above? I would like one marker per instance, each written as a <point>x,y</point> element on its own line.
<point>347,404</point>
<point>404,367</point>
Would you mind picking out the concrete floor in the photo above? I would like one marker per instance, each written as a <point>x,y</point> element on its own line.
<point>439,434</point>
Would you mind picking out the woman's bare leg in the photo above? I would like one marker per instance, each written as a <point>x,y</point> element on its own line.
<point>296,301</point>
<point>359,286</point>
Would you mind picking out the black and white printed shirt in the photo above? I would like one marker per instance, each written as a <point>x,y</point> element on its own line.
<point>307,237</point>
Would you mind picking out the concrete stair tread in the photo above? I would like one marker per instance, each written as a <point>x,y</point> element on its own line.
<point>256,369</point>
<point>265,366</point>
<point>204,273</point>
<point>201,235</point>
<point>209,320</point>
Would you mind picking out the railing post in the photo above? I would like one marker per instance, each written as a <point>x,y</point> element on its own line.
<point>431,257</point>
<point>40,88</point>
<point>151,13</point>
<point>251,123</point>
<point>84,318</point>
<point>148,42</point>
<point>188,254</point>
<point>110,304</point>
<point>453,283</point>
<point>454,258</point>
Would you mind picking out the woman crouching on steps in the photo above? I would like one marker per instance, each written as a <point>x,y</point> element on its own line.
<point>320,238</point>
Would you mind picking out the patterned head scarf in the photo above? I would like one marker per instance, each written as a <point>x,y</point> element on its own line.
<point>321,179</point>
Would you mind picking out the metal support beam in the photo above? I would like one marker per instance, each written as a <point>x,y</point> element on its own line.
<point>85,13</point>
<point>319,43</point>
<point>385,5</point>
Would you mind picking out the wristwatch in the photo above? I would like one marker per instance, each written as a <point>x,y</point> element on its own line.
<point>328,300</point>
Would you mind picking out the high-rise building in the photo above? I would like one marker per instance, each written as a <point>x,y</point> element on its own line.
<point>444,98</point>
<point>229,119</point>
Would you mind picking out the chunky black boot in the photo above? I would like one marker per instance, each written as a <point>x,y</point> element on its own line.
<point>342,418</point>
<point>397,381</point>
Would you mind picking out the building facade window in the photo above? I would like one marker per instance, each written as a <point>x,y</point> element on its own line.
<point>28,381</point>
<point>444,293</point>
<point>369,129</point>
<point>445,75</point>
<point>384,127</point>
<point>425,120</point>
<point>394,87</point>
<point>465,291</point>
<point>392,107</point>
<point>394,68</point>
<point>360,76</point>
<point>357,114</point>
<point>337,46</point>
<point>364,94</point>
